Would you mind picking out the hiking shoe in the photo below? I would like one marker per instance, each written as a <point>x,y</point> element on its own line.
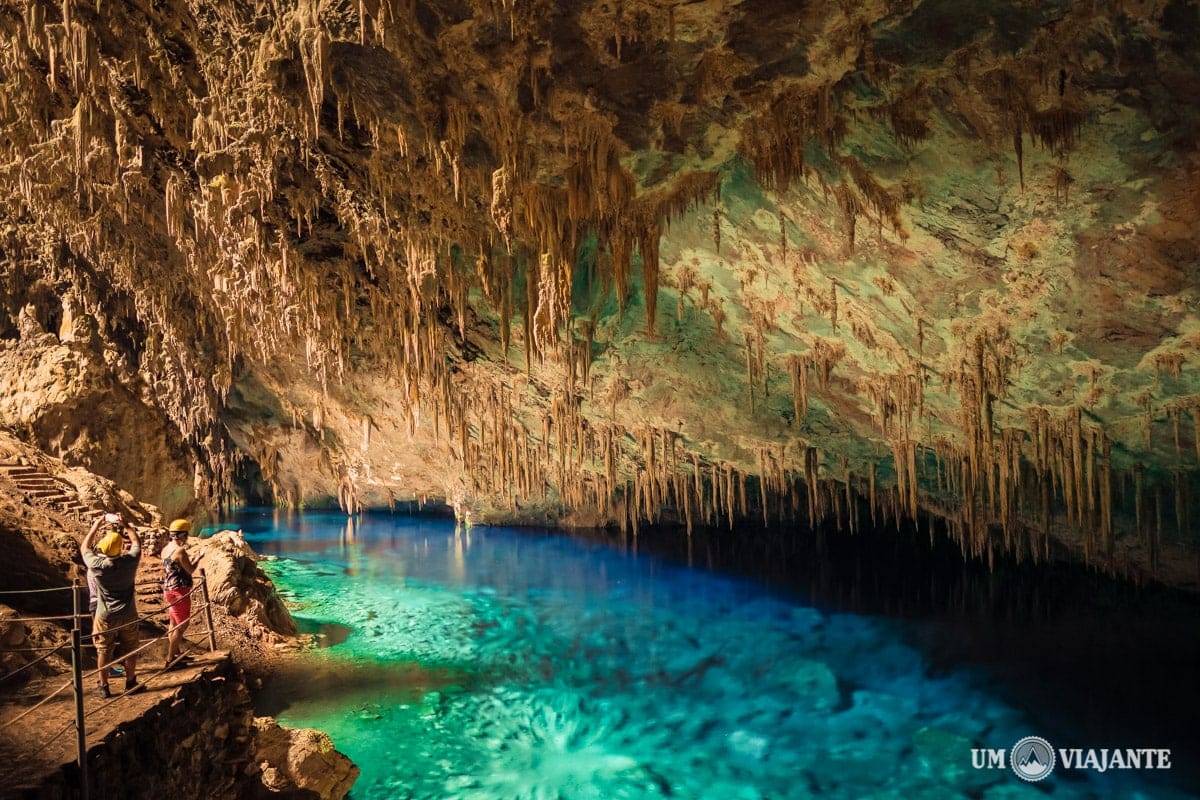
<point>103,692</point>
<point>116,672</point>
<point>134,687</point>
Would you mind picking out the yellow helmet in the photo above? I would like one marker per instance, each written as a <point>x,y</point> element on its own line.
<point>180,526</point>
<point>110,544</point>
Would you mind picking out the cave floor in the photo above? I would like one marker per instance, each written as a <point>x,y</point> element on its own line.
<point>44,742</point>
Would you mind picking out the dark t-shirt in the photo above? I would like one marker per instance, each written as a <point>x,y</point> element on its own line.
<point>114,580</point>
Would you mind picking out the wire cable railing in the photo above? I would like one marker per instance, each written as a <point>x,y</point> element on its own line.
<point>6,592</point>
<point>38,649</point>
<point>78,675</point>
<point>55,618</point>
<point>33,663</point>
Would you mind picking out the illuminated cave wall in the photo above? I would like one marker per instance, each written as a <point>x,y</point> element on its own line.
<point>632,261</point>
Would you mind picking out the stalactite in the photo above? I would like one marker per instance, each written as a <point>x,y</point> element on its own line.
<point>1078,463</point>
<point>762,486</point>
<point>833,304</point>
<point>798,369</point>
<point>1106,518</point>
<point>1180,505</point>
<point>742,506</point>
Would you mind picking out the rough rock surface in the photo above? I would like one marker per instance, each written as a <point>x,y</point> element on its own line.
<point>301,760</point>
<point>236,582</point>
<point>631,261</point>
<point>73,399</point>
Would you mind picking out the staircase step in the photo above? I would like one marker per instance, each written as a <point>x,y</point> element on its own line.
<point>38,483</point>
<point>45,494</point>
<point>16,471</point>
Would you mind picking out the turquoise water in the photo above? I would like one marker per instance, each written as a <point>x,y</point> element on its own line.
<point>500,664</point>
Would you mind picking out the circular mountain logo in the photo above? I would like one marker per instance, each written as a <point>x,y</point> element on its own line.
<point>1032,758</point>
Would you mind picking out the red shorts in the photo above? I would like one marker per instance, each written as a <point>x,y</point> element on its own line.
<point>181,610</point>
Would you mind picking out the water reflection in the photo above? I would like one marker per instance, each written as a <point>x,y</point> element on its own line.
<point>724,666</point>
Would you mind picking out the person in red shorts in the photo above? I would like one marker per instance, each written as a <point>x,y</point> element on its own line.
<point>177,588</point>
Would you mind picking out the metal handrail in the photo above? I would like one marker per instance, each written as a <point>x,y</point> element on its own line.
<point>78,675</point>
<point>142,617</point>
<point>34,649</point>
<point>58,618</point>
<point>146,616</point>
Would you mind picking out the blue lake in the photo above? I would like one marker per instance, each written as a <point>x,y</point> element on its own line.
<point>501,664</point>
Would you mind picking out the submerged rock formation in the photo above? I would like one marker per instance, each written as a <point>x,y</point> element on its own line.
<point>619,262</point>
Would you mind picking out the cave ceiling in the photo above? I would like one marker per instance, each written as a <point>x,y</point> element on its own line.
<point>616,261</point>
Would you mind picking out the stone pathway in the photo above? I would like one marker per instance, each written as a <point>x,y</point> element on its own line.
<point>45,741</point>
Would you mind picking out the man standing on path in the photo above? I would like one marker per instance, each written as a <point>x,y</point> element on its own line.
<point>115,626</point>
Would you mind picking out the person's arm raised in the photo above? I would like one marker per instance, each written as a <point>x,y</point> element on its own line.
<point>89,540</point>
<point>135,542</point>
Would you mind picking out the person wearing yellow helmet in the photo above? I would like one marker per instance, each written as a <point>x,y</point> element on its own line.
<point>115,625</point>
<point>177,587</point>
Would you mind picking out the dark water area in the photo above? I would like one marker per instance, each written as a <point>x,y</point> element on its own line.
<point>938,655</point>
<point>1095,660</point>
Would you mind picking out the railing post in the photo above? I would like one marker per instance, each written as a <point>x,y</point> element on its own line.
<point>212,634</point>
<point>77,679</point>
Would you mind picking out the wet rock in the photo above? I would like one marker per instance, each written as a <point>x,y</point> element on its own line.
<point>946,757</point>
<point>301,760</point>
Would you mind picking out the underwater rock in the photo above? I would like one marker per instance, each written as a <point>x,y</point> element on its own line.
<point>813,683</point>
<point>946,758</point>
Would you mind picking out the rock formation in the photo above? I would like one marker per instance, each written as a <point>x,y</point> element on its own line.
<point>236,583</point>
<point>618,261</point>
<point>300,762</point>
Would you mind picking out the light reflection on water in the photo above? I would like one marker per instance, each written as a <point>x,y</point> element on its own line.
<point>491,663</point>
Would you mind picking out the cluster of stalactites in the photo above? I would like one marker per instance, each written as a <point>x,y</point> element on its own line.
<point>774,142</point>
<point>1001,488</point>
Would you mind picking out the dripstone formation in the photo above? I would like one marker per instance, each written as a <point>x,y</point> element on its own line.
<point>619,261</point>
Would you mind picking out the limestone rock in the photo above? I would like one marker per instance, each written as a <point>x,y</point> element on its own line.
<point>22,643</point>
<point>301,760</point>
<point>936,257</point>
<point>74,406</point>
<point>236,582</point>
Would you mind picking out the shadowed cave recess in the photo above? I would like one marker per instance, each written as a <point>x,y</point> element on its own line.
<point>926,265</point>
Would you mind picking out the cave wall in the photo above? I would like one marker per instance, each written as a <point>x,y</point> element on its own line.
<point>70,394</point>
<point>636,262</point>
